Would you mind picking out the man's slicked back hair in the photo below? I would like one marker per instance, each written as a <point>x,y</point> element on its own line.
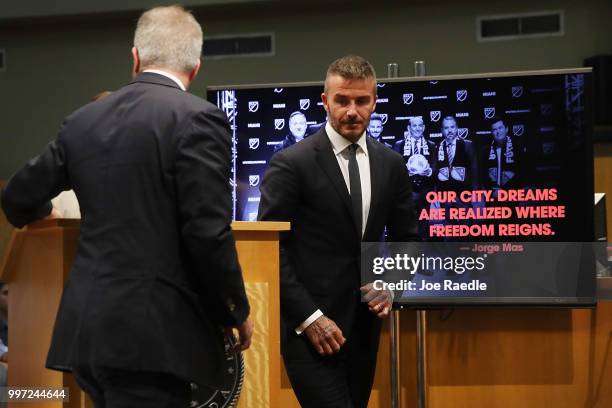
<point>351,67</point>
<point>168,37</point>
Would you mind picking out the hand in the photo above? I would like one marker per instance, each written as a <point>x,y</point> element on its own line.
<point>245,332</point>
<point>506,176</point>
<point>54,214</point>
<point>443,174</point>
<point>379,301</point>
<point>325,336</point>
<point>426,172</point>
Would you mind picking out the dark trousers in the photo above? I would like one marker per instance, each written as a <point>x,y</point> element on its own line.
<point>112,388</point>
<point>343,380</point>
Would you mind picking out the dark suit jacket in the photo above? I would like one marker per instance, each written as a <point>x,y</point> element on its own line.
<point>518,165</point>
<point>156,273</point>
<point>320,256</point>
<point>288,140</point>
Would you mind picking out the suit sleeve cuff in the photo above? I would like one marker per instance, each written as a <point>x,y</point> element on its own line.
<point>318,313</point>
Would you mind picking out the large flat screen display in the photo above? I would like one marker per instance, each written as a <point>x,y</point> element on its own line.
<point>492,158</point>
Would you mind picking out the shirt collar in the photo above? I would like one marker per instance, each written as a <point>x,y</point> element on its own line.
<point>339,142</point>
<point>167,75</point>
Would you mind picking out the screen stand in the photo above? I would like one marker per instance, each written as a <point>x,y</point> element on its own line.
<point>394,338</point>
<point>421,351</point>
<point>421,332</point>
<point>394,319</point>
<point>421,340</point>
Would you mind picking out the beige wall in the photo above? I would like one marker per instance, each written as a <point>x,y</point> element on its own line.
<point>54,67</point>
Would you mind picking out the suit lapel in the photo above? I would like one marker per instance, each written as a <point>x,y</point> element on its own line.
<point>328,162</point>
<point>376,182</point>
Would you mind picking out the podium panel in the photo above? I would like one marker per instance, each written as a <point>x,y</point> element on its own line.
<point>497,357</point>
<point>37,262</point>
<point>258,250</point>
<point>36,265</point>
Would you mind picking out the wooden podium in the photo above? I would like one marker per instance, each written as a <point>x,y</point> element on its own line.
<point>37,261</point>
<point>497,357</point>
<point>257,244</point>
<point>36,264</point>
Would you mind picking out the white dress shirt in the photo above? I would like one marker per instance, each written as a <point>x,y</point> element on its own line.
<point>339,147</point>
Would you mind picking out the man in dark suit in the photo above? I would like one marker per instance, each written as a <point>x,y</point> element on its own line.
<point>156,276</point>
<point>337,188</point>
<point>456,160</point>
<point>419,155</point>
<point>457,167</point>
<point>297,131</point>
<point>502,158</point>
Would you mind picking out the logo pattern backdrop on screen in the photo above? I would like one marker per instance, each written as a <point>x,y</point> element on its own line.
<point>545,116</point>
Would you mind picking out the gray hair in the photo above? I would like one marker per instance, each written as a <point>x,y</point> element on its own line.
<point>449,118</point>
<point>168,37</point>
<point>376,116</point>
<point>351,67</point>
<point>413,118</point>
<point>296,113</point>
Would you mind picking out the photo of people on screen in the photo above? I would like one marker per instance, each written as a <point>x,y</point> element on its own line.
<point>312,129</point>
<point>376,127</point>
<point>456,159</point>
<point>502,157</point>
<point>419,156</point>
<point>418,152</point>
<point>297,131</point>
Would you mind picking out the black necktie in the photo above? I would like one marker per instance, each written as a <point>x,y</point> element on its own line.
<point>355,186</point>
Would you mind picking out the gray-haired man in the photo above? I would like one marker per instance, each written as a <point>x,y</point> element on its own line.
<point>156,276</point>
